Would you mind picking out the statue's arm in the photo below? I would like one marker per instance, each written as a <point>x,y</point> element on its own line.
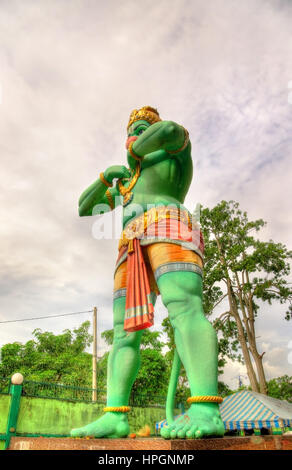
<point>99,193</point>
<point>159,139</point>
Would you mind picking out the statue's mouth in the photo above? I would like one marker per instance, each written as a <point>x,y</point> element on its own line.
<point>130,139</point>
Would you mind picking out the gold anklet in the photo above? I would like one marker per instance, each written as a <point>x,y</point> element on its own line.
<point>205,398</point>
<point>117,409</point>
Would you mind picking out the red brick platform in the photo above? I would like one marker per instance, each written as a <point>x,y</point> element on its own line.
<point>225,443</point>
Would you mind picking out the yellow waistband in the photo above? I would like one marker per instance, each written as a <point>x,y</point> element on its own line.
<point>137,227</point>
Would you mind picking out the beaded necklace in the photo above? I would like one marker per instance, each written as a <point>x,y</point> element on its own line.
<point>127,192</point>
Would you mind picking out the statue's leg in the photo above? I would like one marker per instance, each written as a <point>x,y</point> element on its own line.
<point>123,366</point>
<point>124,359</point>
<point>196,343</point>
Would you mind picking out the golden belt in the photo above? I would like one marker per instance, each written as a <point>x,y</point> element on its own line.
<point>137,227</point>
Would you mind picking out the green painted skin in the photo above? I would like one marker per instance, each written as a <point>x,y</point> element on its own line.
<point>165,179</point>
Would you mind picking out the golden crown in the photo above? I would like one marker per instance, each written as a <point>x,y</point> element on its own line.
<point>146,113</point>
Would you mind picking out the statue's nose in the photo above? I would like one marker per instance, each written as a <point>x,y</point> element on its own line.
<point>130,139</point>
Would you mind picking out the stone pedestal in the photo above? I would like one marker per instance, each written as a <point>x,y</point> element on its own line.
<point>225,443</point>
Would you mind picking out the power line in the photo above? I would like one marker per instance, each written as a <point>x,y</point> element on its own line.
<point>49,316</point>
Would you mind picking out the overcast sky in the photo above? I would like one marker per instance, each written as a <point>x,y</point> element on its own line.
<point>71,73</point>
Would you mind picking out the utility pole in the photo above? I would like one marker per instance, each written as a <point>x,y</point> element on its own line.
<point>94,355</point>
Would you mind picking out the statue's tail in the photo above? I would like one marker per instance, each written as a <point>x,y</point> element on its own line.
<point>175,370</point>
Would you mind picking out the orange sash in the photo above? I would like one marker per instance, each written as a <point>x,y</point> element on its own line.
<point>139,307</point>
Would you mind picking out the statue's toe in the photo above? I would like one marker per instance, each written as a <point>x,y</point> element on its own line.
<point>182,432</point>
<point>199,433</point>
<point>190,433</point>
<point>173,434</point>
<point>77,432</point>
<point>165,433</point>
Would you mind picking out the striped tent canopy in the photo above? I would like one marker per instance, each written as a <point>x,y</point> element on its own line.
<point>249,410</point>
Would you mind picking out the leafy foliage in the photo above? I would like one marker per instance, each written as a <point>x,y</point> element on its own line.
<point>51,358</point>
<point>281,387</point>
<point>223,389</point>
<point>152,379</point>
<point>240,271</point>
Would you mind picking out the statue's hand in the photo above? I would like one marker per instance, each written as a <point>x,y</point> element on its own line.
<point>116,171</point>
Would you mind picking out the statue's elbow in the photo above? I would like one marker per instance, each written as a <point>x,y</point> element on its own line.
<point>170,129</point>
<point>81,211</point>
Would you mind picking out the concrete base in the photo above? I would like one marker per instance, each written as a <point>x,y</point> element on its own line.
<point>225,443</point>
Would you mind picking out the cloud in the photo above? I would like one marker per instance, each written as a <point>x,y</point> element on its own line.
<point>69,79</point>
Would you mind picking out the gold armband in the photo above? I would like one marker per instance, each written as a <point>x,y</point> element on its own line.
<point>186,141</point>
<point>104,181</point>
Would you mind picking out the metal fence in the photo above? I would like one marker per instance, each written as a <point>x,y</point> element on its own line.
<point>61,392</point>
<point>143,400</point>
<point>31,388</point>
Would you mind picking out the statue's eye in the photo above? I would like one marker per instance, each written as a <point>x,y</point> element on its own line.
<point>140,131</point>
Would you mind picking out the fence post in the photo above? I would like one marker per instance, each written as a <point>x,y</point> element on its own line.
<point>94,355</point>
<point>15,392</point>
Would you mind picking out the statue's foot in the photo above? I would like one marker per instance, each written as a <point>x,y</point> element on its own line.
<point>109,425</point>
<point>201,420</point>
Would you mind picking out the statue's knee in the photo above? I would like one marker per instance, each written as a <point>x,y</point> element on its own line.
<point>123,338</point>
<point>180,301</point>
<point>180,290</point>
<point>185,307</point>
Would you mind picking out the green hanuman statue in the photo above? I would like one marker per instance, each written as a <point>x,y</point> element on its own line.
<point>160,253</point>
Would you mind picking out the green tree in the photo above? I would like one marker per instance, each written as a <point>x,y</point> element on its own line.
<point>281,387</point>
<point>101,372</point>
<point>151,383</point>
<point>223,389</point>
<point>243,271</point>
<point>51,358</point>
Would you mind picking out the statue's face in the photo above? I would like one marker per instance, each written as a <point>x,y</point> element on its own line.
<point>135,130</point>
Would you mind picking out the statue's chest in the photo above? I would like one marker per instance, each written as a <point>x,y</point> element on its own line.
<point>162,174</point>
<point>159,179</point>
